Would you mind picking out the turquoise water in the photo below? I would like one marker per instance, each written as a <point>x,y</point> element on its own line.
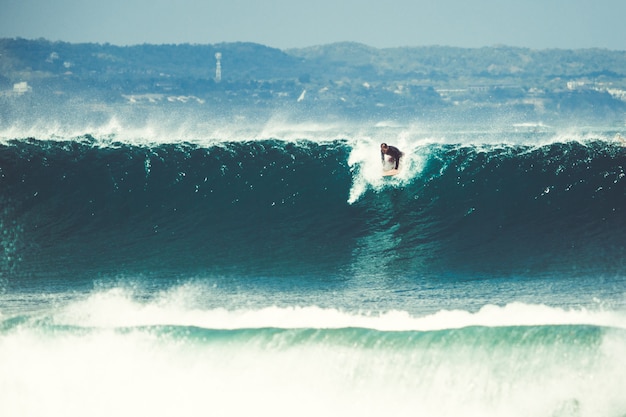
<point>284,276</point>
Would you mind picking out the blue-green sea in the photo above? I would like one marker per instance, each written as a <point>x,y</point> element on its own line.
<point>150,273</point>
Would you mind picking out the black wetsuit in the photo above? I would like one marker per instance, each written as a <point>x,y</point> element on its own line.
<point>394,153</point>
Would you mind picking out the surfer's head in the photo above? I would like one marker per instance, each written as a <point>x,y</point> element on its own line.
<point>383,147</point>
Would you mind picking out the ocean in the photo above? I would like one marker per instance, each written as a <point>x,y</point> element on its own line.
<point>276,272</point>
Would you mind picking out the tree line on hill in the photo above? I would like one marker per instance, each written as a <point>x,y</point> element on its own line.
<point>342,74</point>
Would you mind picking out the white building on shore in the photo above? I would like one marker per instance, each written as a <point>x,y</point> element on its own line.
<point>21,88</point>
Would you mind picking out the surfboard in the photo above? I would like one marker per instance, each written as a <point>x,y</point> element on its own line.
<point>390,172</point>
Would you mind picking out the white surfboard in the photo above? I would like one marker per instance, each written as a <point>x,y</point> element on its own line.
<point>390,172</point>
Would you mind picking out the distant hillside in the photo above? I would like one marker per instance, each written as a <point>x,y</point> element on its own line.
<point>341,79</point>
<point>239,60</point>
<point>462,65</point>
<point>247,61</point>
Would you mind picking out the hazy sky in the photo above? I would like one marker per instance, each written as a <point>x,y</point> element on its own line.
<point>536,24</point>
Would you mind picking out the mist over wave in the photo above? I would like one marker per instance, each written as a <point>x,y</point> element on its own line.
<point>141,126</point>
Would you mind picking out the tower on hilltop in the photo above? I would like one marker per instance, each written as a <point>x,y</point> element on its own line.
<point>218,67</point>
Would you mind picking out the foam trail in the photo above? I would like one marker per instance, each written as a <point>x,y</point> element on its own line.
<point>118,308</point>
<point>111,354</point>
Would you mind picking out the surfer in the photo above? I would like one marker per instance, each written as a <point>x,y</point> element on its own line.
<point>393,152</point>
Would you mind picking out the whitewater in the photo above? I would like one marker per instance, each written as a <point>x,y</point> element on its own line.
<point>226,269</point>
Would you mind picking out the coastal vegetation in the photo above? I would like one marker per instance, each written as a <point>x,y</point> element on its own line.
<point>346,79</point>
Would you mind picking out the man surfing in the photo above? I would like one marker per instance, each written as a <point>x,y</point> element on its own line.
<point>394,157</point>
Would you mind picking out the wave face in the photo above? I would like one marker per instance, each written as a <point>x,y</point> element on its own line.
<point>252,204</point>
<point>304,208</point>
